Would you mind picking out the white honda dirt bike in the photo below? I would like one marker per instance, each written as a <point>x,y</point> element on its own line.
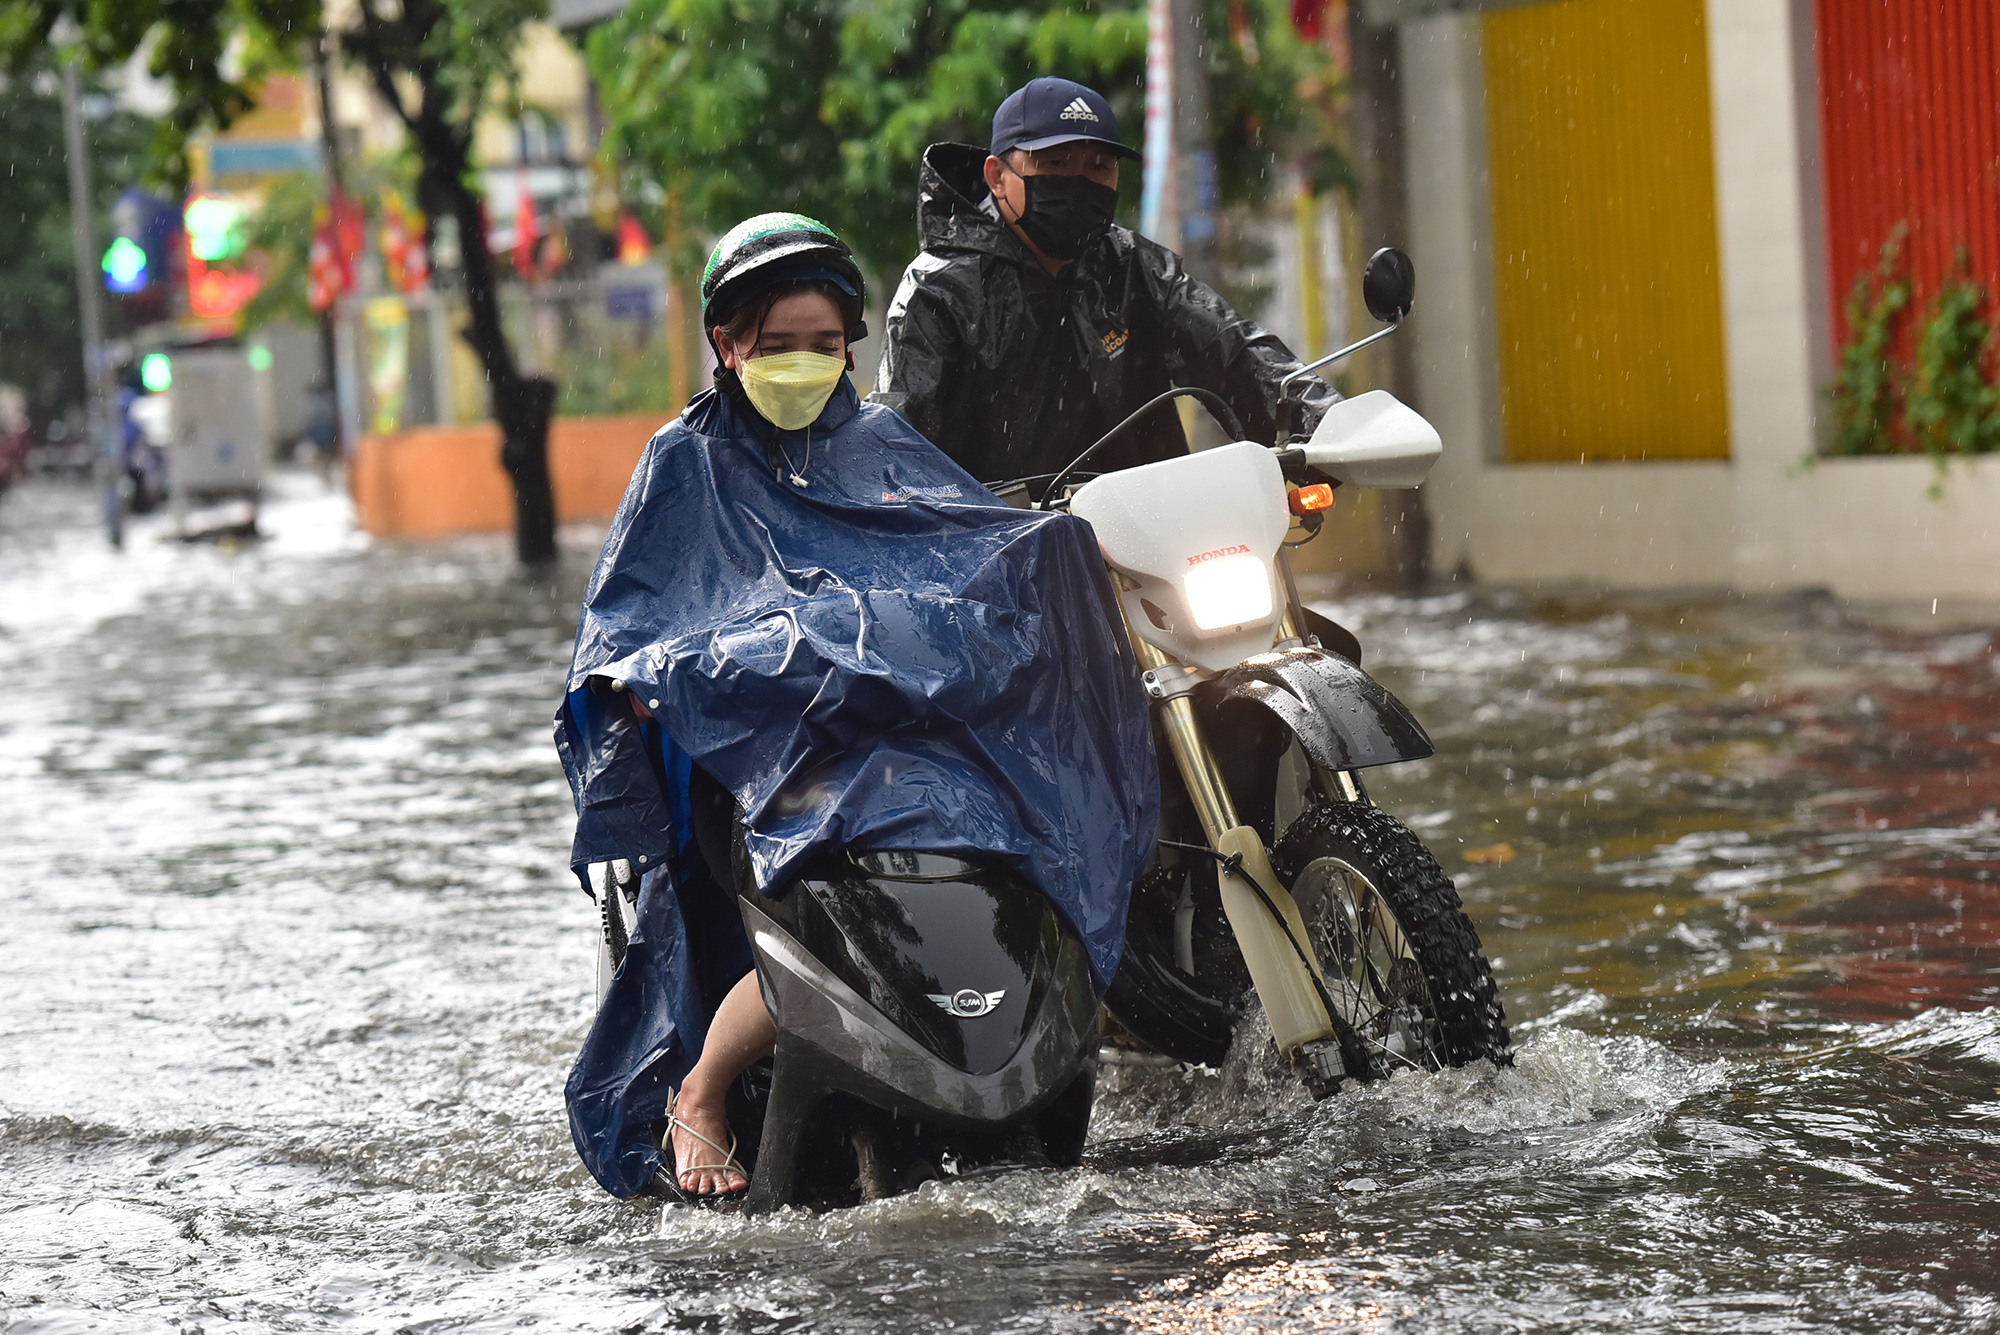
<point>1275,872</point>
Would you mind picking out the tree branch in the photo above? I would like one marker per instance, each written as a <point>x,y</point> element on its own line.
<point>371,45</point>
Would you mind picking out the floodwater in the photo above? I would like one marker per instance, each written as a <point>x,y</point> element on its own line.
<point>291,973</point>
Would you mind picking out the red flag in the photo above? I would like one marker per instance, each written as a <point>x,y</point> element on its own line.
<point>526,225</point>
<point>633,243</point>
<point>350,238</point>
<point>336,245</point>
<point>322,280</point>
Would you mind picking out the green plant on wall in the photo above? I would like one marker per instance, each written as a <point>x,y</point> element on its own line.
<point>1951,407</point>
<point>1867,387</point>
<point>1944,401</point>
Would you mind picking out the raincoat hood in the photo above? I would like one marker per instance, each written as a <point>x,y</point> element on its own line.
<point>952,206</point>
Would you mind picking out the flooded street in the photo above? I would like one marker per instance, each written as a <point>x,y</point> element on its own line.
<point>294,971</point>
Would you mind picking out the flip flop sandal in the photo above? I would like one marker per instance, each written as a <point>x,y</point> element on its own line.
<point>671,1178</point>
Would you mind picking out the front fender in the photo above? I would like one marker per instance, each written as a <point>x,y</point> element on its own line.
<point>1343,717</point>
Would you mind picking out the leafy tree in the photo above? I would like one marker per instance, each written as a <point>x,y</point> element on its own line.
<point>734,107</point>
<point>41,337</point>
<point>437,63</point>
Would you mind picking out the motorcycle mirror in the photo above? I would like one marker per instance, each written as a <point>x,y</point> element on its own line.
<point>1389,284</point>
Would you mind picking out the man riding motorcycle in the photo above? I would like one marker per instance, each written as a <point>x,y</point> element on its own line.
<point>1031,324</point>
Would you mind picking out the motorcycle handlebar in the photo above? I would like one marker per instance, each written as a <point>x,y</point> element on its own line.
<point>1209,399</point>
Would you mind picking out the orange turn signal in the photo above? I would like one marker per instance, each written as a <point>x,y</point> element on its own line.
<point>1306,500</point>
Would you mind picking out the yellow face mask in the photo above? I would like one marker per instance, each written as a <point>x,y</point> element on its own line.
<point>790,388</point>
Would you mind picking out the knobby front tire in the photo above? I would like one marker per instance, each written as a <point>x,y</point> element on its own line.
<point>1401,960</point>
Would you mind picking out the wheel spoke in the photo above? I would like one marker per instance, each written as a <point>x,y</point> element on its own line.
<point>1385,995</point>
<point>1378,1043</point>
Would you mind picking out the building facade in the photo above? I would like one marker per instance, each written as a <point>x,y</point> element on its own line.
<point>1636,223</point>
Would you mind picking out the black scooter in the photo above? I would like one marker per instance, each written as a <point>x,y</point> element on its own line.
<point>936,1018</point>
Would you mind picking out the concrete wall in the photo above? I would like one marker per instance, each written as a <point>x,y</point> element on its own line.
<point>1888,528</point>
<point>1766,520</point>
<point>436,481</point>
<point>1761,204</point>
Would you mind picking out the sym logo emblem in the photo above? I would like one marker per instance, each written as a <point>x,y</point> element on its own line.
<point>967,1003</point>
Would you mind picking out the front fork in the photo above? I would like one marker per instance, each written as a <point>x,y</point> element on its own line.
<point>1270,931</point>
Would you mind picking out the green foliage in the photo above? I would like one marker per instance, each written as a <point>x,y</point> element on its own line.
<point>1952,408</point>
<point>1946,401</point>
<point>617,378</point>
<point>467,53</point>
<point>1868,384</point>
<point>736,107</point>
<point>41,341</point>
<point>281,232</point>
<point>470,51</point>
<point>190,39</point>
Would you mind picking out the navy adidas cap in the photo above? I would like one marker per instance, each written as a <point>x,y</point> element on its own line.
<point>1048,111</point>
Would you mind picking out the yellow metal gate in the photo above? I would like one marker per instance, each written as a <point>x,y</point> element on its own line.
<point>1606,277</point>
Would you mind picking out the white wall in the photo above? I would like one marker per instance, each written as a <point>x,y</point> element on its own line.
<point>1444,102</point>
<point>1760,220</point>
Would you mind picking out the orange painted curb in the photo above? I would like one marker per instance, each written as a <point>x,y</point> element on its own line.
<point>435,481</point>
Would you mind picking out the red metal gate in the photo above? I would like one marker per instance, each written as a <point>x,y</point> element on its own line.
<point>1910,134</point>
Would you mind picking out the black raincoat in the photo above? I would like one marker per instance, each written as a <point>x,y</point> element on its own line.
<point>1014,372</point>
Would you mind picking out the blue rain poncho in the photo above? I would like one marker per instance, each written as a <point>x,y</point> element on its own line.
<point>888,657</point>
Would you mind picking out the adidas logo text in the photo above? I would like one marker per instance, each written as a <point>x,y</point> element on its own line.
<point>1078,110</point>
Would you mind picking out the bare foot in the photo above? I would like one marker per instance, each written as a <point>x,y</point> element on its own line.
<point>700,1168</point>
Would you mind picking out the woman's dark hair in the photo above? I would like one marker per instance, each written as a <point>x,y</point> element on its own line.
<point>746,325</point>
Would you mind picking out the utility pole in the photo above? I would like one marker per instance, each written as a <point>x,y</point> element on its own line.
<point>1376,115</point>
<point>1194,141</point>
<point>83,216</point>
<point>1181,196</point>
<point>329,139</point>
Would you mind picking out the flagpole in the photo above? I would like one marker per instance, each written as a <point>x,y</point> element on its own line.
<point>1158,218</point>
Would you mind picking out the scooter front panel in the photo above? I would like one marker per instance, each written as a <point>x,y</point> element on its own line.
<point>859,1050</point>
<point>957,964</point>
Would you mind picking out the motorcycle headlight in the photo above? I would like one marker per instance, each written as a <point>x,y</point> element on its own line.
<point>1229,591</point>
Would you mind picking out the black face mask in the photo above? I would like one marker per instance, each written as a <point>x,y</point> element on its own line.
<point>1066,213</point>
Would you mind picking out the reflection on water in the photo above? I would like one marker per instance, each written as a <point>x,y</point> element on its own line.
<point>294,972</point>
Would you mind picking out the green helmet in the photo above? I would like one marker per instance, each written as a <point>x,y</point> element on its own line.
<point>773,248</point>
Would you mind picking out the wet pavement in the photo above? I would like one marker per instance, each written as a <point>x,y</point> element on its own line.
<point>293,974</point>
